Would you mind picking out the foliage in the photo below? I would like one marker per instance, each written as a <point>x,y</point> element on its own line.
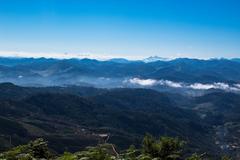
<point>164,148</point>
<point>35,149</point>
<point>68,156</point>
<point>195,157</point>
<point>226,158</point>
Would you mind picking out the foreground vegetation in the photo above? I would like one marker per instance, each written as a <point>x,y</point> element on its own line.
<point>164,148</point>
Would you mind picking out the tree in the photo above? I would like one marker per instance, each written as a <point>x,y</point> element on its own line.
<point>94,153</point>
<point>131,153</point>
<point>226,158</point>
<point>166,148</point>
<point>39,149</point>
<point>194,157</point>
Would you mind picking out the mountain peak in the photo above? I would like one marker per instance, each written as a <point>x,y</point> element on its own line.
<point>154,59</point>
<point>119,60</point>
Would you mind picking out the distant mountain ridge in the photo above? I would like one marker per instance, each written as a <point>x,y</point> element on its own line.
<point>112,73</point>
<point>154,59</point>
<point>22,60</point>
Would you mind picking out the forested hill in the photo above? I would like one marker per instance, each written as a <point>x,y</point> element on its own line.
<point>74,117</point>
<point>71,118</point>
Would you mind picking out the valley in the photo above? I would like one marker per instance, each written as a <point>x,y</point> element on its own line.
<point>72,113</point>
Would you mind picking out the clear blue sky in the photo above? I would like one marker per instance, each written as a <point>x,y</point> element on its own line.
<point>121,28</point>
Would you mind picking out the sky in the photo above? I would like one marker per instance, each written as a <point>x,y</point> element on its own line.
<point>131,29</point>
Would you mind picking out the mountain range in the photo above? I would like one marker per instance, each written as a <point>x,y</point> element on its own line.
<point>114,72</point>
<point>73,102</point>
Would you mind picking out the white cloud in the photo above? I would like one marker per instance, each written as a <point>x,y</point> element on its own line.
<point>170,83</point>
<point>201,86</point>
<point>152,82</point>
<point>222,86</point>
<point>219,85</point>
<point>195,86</point>
<point>237,85</point>
<point>143,82</point>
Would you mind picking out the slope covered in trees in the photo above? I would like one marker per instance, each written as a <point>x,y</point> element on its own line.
<point>164,148</point>
<point>71,118</point>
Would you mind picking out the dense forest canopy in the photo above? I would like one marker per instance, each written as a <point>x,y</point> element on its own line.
<point>164,148</point>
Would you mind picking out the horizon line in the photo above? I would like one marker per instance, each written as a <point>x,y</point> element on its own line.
<point>100,57</point>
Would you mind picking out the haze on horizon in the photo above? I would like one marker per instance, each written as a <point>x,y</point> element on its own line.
<point>130,29</point>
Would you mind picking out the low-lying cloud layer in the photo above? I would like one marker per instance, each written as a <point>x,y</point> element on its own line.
<point>196,86</point>
<point>143,82</point>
